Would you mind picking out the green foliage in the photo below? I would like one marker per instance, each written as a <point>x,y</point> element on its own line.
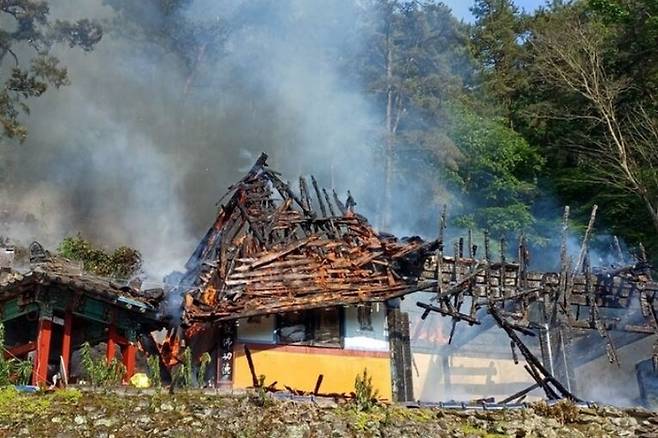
<point>259,396</point>
<point>186,370</point>
<point>153,366</point>
<point>184,374</point>
<point>36,34</point>
<point>12,402</point>
<point>68,396</point>
<point>124,262</point>
<point>204,360</point>
<point>365,394</point>
<point>99,371</point>
<point>496,44</point>
<point>13,370</point>
<point>497,173</point>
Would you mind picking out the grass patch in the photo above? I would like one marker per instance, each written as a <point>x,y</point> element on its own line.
<point>13,403</point>
<point>69,396</point>
<point>469,430</point>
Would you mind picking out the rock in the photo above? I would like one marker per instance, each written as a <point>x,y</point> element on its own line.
<point>297,431</point>
<point>104,422</point>
<point>166,407</point>
<point>143,419</point>
<point>79,420</point>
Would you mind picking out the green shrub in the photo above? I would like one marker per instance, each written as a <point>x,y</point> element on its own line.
<point>124,262</point>
<point>14,370</point>
<point>101,372</point>
<point>184,375</point>
<point>259,395</point>
<point>365,394</point>
<point>153,366</point>
<point>204,360</point>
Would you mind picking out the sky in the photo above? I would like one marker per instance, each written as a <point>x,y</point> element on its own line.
<point>460,7</point>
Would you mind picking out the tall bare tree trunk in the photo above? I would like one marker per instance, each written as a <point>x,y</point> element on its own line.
<point>388,151</point>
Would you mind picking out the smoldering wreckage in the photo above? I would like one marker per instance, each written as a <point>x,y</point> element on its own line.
<point>295,285</point>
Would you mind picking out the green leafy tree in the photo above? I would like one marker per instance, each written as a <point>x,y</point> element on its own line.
<point>497,174</point>
<point>25,52</point>
<point>415,63</point>
<point>124,262</point>
<point>497,43</point>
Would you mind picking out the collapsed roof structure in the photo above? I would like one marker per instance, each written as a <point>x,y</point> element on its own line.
<point>562,307</point>
<point>273,250</point>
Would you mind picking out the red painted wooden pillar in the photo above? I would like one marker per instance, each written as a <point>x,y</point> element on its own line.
<point>111,343</point>
<point>129,352</point>
<point>40,367</point>
<point>66,341</point>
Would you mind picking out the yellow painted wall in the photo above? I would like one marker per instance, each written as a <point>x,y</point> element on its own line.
<point>300,370</point>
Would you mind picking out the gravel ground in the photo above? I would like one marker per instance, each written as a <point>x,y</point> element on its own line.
<point>120,414</point>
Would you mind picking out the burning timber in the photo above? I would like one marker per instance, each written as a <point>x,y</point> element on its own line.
<point>276,250</point>
<point>273,250</point>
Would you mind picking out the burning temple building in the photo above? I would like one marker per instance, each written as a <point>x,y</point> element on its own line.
<point>295,285</point>
<point>300,288</point>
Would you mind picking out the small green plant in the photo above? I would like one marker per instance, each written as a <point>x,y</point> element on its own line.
<point>259,396</point>
<point>69,396</point>
<point>14,370</point>
<point>204,360</point>
<point>565,411</point>
<point>5,365</point>
<point>21,371</point>
<point>183,374</point>
<point>153,366</point>
<point>365,394</point>
<point>101,372</point>
<point>188,374</point>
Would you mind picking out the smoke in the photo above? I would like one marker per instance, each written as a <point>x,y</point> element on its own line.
<point>140,146</point>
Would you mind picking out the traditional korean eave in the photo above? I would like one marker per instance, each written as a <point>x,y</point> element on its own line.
<point>64,277</point>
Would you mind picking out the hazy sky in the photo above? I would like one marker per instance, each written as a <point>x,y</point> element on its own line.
<point>460,7</point>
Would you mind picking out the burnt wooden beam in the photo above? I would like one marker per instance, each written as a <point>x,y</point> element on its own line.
<point>254,378</point>
<point>323,209</point>
<point>447,312</point>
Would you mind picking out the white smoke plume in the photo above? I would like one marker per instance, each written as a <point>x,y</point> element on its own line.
<point>140,146</point>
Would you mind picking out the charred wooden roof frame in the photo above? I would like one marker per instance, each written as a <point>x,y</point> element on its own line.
<point>505,290</point>
<point>273,249</point>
